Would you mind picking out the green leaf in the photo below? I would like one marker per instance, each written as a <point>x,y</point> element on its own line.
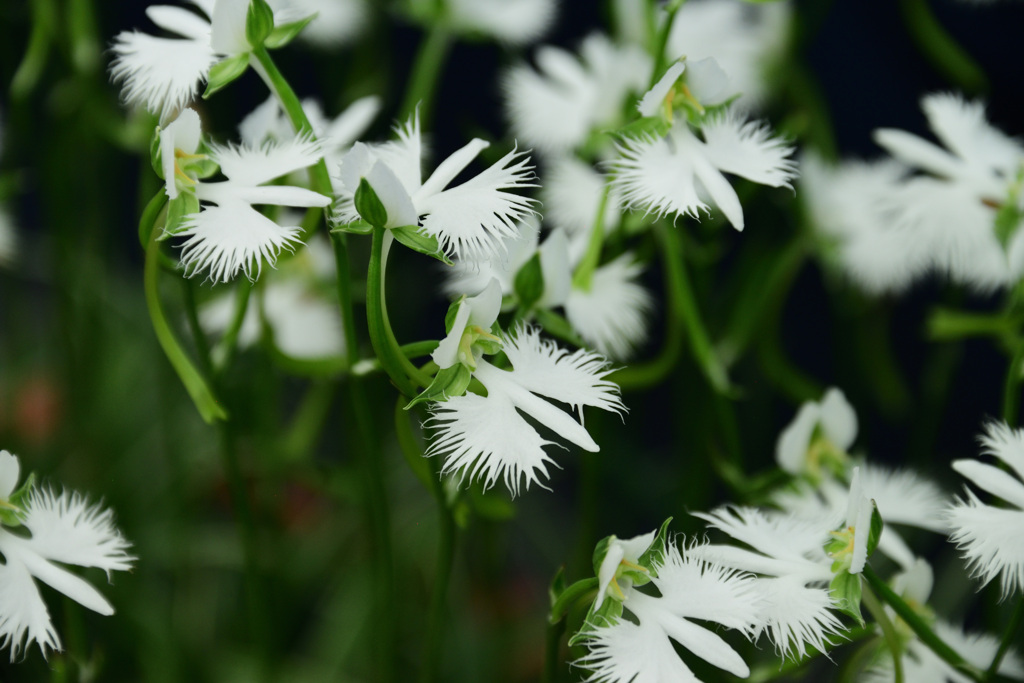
<point>600,551</point>
<point>225,71</point>
<point>369,206</point>
<point>647,126</point>
<point>178,209</point>
<point>449,382</point>
<point>557,326</point>
<point>411,237</point>
<point>557,585</point>
<point>12,510</point>
<point>529,282</point>
<point>845,591</point>
<point>359,227</point>
<point>607,613</point>
<point>155,157</point>
<point>875,532</point>
<point>451,313</point>
<point>259,22</point>
<point>1007,223</point>
<point>654,556</point>
<point>285,33</point>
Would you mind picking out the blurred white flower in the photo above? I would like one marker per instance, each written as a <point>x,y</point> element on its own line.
<point>468,220</point>
<point>65,530</point>
<point>950,210</point>
<point>621,651</point>
<point>680,172</point>
<point>991,538</point>
<point>487,437</point>
<point>847,205</point>
<point>820,434</point>
<point>556,107</point>
<point>337,22</point>
<point>515,22</point>
<point>747,40</point>
<point>571,192</point>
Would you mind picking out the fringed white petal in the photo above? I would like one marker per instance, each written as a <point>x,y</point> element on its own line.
<point>963,128</point>
<point>748,149</point>
<point>257,165</point>
<point>989,539</point>
<point>1007,444</point>
<point>797,615</point>
<point>224,240</point>
<point>404,156</point>
<point>612,314</point>
<point>652,175</point>
<point>571,192</point>
<point>778,536</point>
<point>67,528</point>
<point>486,438</point>
<point>576,378</point>
<point>58,578</point>
<point>161,75</point>
<point>471,219</point>
<point>905,497</point>
<point>24,618</point>
<point>625,652</point>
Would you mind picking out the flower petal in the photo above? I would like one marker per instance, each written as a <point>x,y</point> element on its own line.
<point>257,165</point>
<point>10,472</point>
<point>66,528</point>
<point>24,618</point>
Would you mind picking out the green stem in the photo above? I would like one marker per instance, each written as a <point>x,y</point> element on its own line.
<point>308,422</point>
<point>1011,389</point>
<point>44,16</point>
<point>395,364</point>
<point>552,650</point>
<point>198,337</point>
<point>195,384</point>
<point>686,307</point>
<point>941,48</point>
<point>921,628</point>
<point>229,343</point>
<point>1008,640</point>
<point>439,597</point>
<point>584,274</point>
<point>892,638</point>
<point>660,61</point>
<point>564,602</point>
<point>320,180</point>
<point>419,96</point>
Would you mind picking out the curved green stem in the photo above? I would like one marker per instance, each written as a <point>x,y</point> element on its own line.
<point>892,638</point>
<point>941,48</point>
<point>195,384</point>
<point>1011,388</point>
<point>419,96</point>
<point>660,60</point>
<point>564,602</point>
<point>1007,642</point>
<point>228,346</point>
<point>584,274</point>
<point>552,647</point>
<point>44,17</point>
<point>921,628</point>
<point>395,364</point>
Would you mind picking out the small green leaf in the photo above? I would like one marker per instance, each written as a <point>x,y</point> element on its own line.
<point>449,382</point>
<point>845,591</point>
<point>411,237</point>
<point>359,227</point>
<point>557,585</point>
<point>185,204</point>
<point>285,33</point>
<point>557,326</point>
<point>369,205</point>
<point>875,532</point>
<point>155,156</point>
<point>452,313</point>
<point>225,71</point>
<point>529,282</point>
<point>12,510</point>
<point>1007,223</point>
<point>259,22</point>
<point>654,556</point>
<point>600,551</point>
<point>655,126</point>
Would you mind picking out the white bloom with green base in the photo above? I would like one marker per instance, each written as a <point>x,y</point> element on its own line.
<point>469,220</point>
<point>620,651</point>
<point>65,530</point>
<point>820,434</point>
<point>991,538</point>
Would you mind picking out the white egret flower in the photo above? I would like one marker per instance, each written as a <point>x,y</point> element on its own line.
<point>65,530</point>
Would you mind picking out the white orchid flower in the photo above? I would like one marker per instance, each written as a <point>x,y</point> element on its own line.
<point>65,530</point>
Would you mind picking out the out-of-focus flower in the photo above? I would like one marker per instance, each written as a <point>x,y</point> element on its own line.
<point>746,39</point>
<point>515,22</point>
<point>337,22</point>
<point>991,538</point>
<point>820,434</point>
<point>65,529</point>
<point>964,210</point>
<point>847,205</point>
<point>558,106</point>
<point>468,220</point>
